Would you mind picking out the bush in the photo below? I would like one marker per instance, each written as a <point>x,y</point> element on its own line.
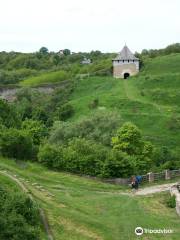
<point>16,143</point>
<point>118,164</point>
<point>94,103</point>
<point>87,157</point>
<point>51,156</point>
<point>64,112</point>
<point>36,129</point>
<point>79,156</point>
<point>8,116</point>
<point>171,201</point>
<point>128,139</point>
<point>19,218</point>
<point>84,156</point>
<point>163,156</point>
<point>100,128</point>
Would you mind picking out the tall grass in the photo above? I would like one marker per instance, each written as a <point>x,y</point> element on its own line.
<point>51,77</point>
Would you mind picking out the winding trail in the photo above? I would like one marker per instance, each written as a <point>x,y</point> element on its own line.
<point>155,189</point>
<point>141,192</point>
<point>41,211</point>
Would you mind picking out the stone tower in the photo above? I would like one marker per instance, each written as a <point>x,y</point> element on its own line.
<point>125,64</point>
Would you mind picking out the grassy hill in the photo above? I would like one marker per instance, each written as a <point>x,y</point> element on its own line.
<point>150,100</point>
<point>162,64</point>
<point>51,77</point>
<point>83,209</point>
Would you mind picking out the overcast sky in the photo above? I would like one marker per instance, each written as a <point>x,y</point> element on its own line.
<point>85,25</point>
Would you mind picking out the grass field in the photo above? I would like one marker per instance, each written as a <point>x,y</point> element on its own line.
<point>84,209</point>
<point>162,65</point>
<point>51,77</point>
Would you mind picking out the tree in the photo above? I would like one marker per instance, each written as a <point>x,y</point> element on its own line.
<point>56,59</point>
<point>128,139</point>
<point>43,50</point>
<point>36,129</point>
<point>64,112</point>
<point>84,156</point>
<point>51,156</point>
<point>66,52</point>
<point>8,115</point>
<point>16,144</point>
<point>19,218</point>
<point>118,164</point>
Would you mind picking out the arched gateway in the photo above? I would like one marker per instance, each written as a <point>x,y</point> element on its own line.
<point>125,64</point>
<point>126,75</point>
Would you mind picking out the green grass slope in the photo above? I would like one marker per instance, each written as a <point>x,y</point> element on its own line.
<point>150,101</point>
<point>83,209</point>
<point>45,78</point>
<point>162,65</point>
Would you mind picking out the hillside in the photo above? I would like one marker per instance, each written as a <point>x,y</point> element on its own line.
<point>150,100</point>
<point>168,64</point>
<point>80,208</point>
<point>92,124</point>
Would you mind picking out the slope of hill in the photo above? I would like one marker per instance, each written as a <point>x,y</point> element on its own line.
<point>83,209</point>
<point>162,65</point>
<point>51,77</point>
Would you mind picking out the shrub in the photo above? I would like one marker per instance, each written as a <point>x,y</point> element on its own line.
<point>100,128</point>
<point>84,156</point>
<point>51,156</point>
<point>19,218</point>
<point>171,201</point>
<point>8,116</point>
<point>36,129</point>
<point>128,139</point>
<point>16,144</point>
<point>64,112</point>
<point>94,103</point>
<point>173,123</point>
<point>79,156</point>
<point>164,156</point>
<point>118,164</point>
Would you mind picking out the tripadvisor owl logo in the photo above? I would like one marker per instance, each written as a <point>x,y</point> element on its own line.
<point>139,231</point>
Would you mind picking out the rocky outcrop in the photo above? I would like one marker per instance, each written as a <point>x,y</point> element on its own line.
<point>9,94</point>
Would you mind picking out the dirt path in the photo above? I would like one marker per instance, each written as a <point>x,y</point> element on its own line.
<point>42,213</point>
<point>143,191</point>
<point>155,189</point>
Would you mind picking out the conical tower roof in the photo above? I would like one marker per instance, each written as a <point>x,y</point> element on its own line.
<point>125,54</point>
